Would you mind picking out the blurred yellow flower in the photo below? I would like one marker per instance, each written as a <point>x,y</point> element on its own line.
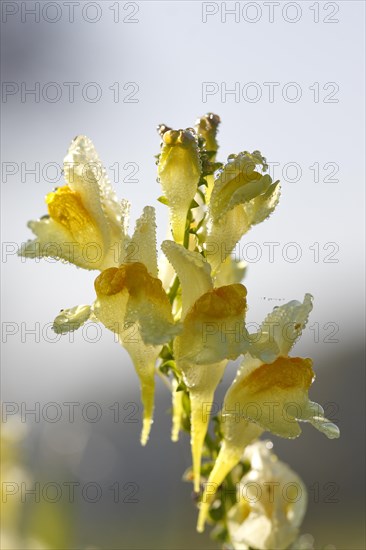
<point>271,503</point>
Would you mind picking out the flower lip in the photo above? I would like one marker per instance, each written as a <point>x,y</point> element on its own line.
<point>134,277</point>
<point>284,373</point>
<point>65,207</point>
<point>221,302</point>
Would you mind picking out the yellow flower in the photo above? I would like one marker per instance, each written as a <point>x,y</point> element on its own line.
<point>179,171</point>
<point>241,197</point>
<point>268,396</point>
<point>85,224</point>
<point>271,503</point>
<point>132,303</point>
<point>212,333</point>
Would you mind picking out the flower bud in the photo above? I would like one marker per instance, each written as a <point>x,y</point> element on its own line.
<point>179,171</point>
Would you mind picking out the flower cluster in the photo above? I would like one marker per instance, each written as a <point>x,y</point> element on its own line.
<point>189,309</point>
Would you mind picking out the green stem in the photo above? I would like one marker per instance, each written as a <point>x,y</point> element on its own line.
<point>173,290</point>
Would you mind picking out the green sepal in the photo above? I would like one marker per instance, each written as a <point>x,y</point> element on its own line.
<point>163,200</point>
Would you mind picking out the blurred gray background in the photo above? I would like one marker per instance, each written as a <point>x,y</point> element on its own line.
<point>158,57</point>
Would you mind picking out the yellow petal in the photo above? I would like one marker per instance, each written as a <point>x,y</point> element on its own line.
<point>241,198</point>
<point>226,230</point>
<point>201,380</point>
<point>86,175</point>
<point>128,295</point>
<point>179,171</point>
<point>55,241</point>
<point>314,413</point>
<point>281,329</point>
<point>189,266</point>
<point>177,406</point>
<point>262,397</point>
<point>211,334</point>
<point>86,224</point>
<point>69,320</point>
<point>142,247</point>
<point>223,235</point>
<point>144,360</point>
<point>133,304</point>
<point>213,328</point>
<point>262,206</point>
<point>229,456</point>
<point>272,395</point>
<point>237,182</point>
<point>231,271</point>
<point>66,208</point>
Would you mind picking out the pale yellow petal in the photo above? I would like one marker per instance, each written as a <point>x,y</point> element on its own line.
<point>281,329</point>
<point>142,247</point>
<point>223,235</point>
<point>214,328</point>
<point>86,176</point>
<point>263,397</point>
<point>229,456</point>
<point>238,175</point>
<point>273,395</point>
<point>231,271</point>
<point>177,406</point>
<point>201,380</point>
<point>262,206</point>
<point>69,320</point>
<point>144,359</point>
<point>241,197</point>
<point>54,240</point>
<point>133,304</point>
<point>193,270</point>
<point>314,413</point>
<point>128,295</point>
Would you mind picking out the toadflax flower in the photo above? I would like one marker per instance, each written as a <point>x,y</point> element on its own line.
<point>85,224</point>
<point>179,172</point>
<point>212,333</point>
<point>268,396</point>
<point>271,503</point>
<point>132,303</point>
<point>241,197</point>
<point>186,320</point>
